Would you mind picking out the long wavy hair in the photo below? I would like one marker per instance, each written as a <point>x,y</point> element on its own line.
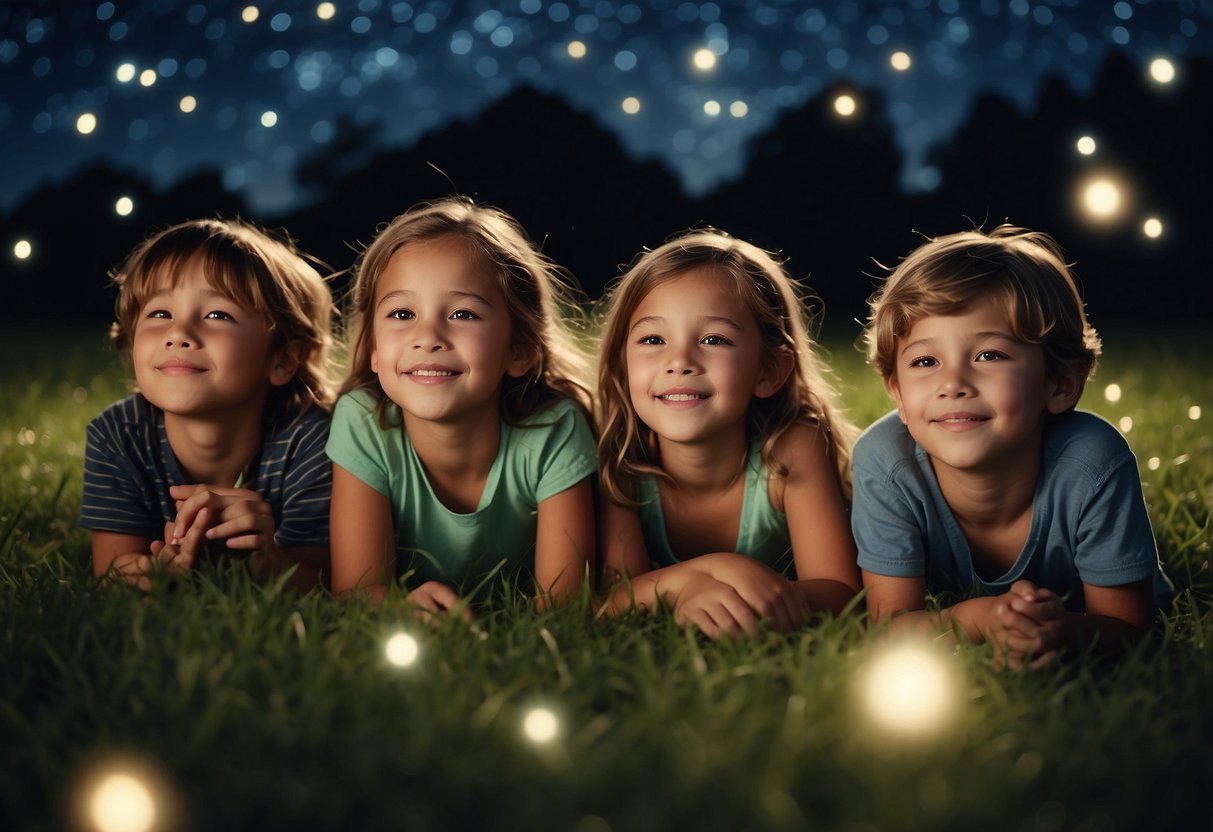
<point>258,270</point>
<point>627,448</point>
<point>540,297</point>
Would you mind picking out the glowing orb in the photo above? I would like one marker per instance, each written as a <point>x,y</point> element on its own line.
<point>325,11</point>
<point>1126,424</point>
<point>122,803</point>
<point>1085,145</point>
<point>711,108</point>
<point>125,73</point>
<point>631,105</point>
<point>1162,70</point>
<point>704,59</point>
<point>1153,462</point>
<point>401,650</point>
<point>269,118</point>
<point>540,725</point>
<point>738,109</point>
<point>22,249</point>
<point>1102,198</point>
<point>909,691</point>
<point>845,106</point>
<point>250,13</point>
<point>1152,228</point>
<point>1194,412</point>
<point>576,49</point>
<point>86,123</point>
<point>188,104</point>
<point>1112,393</point>
<point>124,206</point>
<point>900,61</point>
<point>147,77</point>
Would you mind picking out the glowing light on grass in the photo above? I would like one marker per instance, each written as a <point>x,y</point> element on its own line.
<point>704,59</point>
<point>86,123</point>
<point>250,13</point>
<point>325,11</point>
<point>1194,413</point>
<point>125,73</point>
<point>269,118</point>
<point>147,77</point>
<point>900,61</point>
<point>1152,228</point>
<point>23,249</point>
<point>122,802</point>
<point>401,650</point>
<point>738,109</point>
<point>711,108</point>
<point>576,49</point>
<point>1112,393</point>
<point>845,106</point>
<point>1126,424</point>
<point>631,105</point>
<point>1085,145</point>
<point>908,690</point>
<point>1153,463</point>
<point>540,725</point>
<point>1162,70</point>
<point>188,104</point>
<point>124,206</point>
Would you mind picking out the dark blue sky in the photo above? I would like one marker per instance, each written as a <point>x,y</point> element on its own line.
<point>264,82</point>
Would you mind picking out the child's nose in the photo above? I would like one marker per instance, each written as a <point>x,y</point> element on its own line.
<point>430,336</point>
<point>681,362</point>
<point>180,334</point>
<point>955,384</point>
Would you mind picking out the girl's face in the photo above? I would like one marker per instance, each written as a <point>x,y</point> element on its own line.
<point>694,357</point>
<point>199,353</point>
<point>441,333</point>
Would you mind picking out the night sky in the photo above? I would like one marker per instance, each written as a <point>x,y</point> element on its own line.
<point>166,87</point>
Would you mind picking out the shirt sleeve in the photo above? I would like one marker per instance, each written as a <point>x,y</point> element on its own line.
<point>569,453</point>
<point>307,487</point>
<point>887,530</point>
<point>1115,543</point>
<point>356,442</point>
<point>115,497</point>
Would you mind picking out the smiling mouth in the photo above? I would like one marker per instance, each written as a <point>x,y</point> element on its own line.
<point>682,397</point>
<point>432,373</point>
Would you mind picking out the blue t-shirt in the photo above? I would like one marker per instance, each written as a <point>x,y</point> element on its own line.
<point>1089,521</point>
<point>550,452</point>
<point>762,530</point>
<point>129,466</point>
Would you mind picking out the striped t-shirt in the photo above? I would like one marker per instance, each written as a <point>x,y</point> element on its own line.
<point>129,466</point>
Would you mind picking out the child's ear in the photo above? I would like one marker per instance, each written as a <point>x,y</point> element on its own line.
<point>1063,391</point>
<point>894,389</point>
<point>773,376</point>
<point>285,365</point>
<point>523,360</point>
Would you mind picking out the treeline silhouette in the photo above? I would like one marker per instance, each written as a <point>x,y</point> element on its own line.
<point>820,189</point>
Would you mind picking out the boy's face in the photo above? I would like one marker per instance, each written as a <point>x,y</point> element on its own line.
<point>198,353</point>
<point>971,394</point>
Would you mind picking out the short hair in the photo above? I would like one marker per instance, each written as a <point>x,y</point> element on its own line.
<point>259,271</point>
<point>538,294</point>
<point>627,448</point>
<point>1023,271</point>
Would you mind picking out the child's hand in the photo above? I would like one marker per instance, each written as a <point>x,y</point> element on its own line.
<point>716,608</point>
<point>1047,610</point>
<point>241,515</point>
<point>137,568</point>
<point>434,598</point>
<point>1024,625</point>
<point>771,597</point>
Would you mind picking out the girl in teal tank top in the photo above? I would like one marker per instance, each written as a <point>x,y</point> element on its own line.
<point>723,454</point>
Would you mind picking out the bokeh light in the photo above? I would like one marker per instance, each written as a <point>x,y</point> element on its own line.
<point>1153,463</point>
<point>124,206</point>
<point>1162,70</point>
<point>1152,228</point>
<point>125,73</point>
<point>704,59</point>
<point>325,11</point>
<point>23,249</point>
<point>122,802</point>
<point>269,118</point>
<point>909,690</point>
<point>1194,412</point>
<point>188,104</point>
<point>250,13</point>
<point>738,109</point>
<point>845,105</point>
<point>1102,198</point>
<point>86,123</point>
<point>1085,145</point>
<point>1112,393</point>
<point>631,105</point>
<point>900,61</point>
<point>147,77</point>
<point>401,649</point>
<point>1125,423</point>
<point>711,108</point>
<point>576,49</point>
<point>540,725</point>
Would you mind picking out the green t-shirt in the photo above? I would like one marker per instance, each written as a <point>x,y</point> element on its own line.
<point>551,453</point>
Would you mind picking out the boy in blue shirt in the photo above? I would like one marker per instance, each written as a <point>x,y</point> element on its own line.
<point>985,481</point>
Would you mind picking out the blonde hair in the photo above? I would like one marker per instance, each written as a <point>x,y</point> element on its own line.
<point>538,294</point>
<point>627,448</point>
<point>1023,271</point>
<point>260,272</point>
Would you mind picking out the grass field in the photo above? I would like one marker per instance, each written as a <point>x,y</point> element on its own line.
<point>246,707</point>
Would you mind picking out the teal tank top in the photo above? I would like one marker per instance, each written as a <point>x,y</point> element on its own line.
<point>762,533</point>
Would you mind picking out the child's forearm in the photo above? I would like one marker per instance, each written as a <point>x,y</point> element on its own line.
<point>642,591</point>
<point>1109,635</point>
<point>824,595</point>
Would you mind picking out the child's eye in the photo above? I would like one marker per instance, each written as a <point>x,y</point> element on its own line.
<point>159,313</point>
<point>990,355</point>
<point>716,341</point>
<point>923,361</point>
<point>651,340</point>
<point>219,315</point>
<point>401,314</point>
<point>464,315</point>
